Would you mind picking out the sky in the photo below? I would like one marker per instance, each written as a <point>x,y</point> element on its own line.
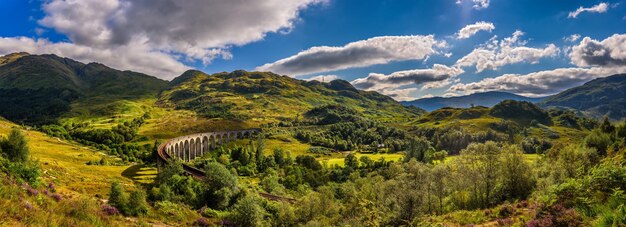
<point>406,49</point>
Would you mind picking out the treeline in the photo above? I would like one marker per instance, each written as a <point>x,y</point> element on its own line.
<point>362,192</point>
<point>455,138</point>
<point>356,135</point>
<point>343,129</point>
<point>116,141</point>
<point>35,106</point>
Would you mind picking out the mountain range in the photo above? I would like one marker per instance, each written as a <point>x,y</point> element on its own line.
<point>599,97</point>
<point>38,89</point>
<point>41,89</point>
<point>486,99</point>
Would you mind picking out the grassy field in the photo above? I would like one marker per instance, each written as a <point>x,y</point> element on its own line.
<point>530,158</point>
<point>64,164</point>
<point>82,187</point>
<point>339,158</point>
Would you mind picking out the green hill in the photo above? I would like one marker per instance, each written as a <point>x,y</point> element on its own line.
<point>599,97</point>
<point>38,89</point>
<point>268,97</point>
<point>453,129</point>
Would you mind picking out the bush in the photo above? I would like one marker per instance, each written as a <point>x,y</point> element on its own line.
<point>15,147</point>
<point>598,140</point>
<point>137,204</point>
<point>248,212</point>
<point>117,197</point>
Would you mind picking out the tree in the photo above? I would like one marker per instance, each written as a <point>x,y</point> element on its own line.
<point>351,161</point>
<point>417,149</point>
<point>248,212</point>
<point>606,126</point>
<point>221,185</point>
<point>15,147</point>
<point>599,140</point>
<point>137,204</point>
<point>482,160</point>
<point>117,197</point>
<point>439,174</point>
<point>517,176</point>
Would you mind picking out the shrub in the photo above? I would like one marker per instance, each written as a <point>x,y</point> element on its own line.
<point>598,140</point>
<point>202,222</point>
<point>109,210</point>
<point>15,147</point>
<point>118,197</point>
<point>137,204</point>
<point>248,212</point>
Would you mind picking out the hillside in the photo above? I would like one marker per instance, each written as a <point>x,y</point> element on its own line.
<point>268,97</point>
<point>599,97</point>
<point>487,99</point>
<point>521,122</point>
<point>38,89</point>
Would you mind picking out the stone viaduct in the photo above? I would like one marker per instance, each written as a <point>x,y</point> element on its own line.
<point>189,147</point>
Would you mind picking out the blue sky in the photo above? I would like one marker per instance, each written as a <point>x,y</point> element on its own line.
<point>216,36</point>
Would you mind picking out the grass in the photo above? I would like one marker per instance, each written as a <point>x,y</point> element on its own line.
<point>140,173</point>
<point>334,160</point>
<point>294,147</point>
<point>64,164</point>
<point>82,187</point>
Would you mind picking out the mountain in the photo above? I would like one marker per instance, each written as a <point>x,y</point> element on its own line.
<point>37,89</point>
<point>265,96</point>
<point>487,99</point>
<point>599,97</point>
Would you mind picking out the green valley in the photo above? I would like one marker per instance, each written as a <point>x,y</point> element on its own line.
<point>80,146</point>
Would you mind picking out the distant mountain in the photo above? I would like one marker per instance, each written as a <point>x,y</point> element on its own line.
<point>599,97</point>
<point>37,89</point>
<point>487,99</point>
<point>265,96</point>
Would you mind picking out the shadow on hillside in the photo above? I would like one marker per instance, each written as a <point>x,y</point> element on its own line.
<point>140,173</point>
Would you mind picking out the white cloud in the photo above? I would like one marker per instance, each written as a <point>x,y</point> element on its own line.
<point>472,29</point>
<point>427,96</point>
<point>426,77</point>
<point>376,50</point>
<point>138,58</point>
<point>540,83</point>
<point>608,52</point>
<point>324,78</point>
<point>599,8</point>
<point>510,50</point>
<point>402,94</point>
<point>476,4</point>
<point>161,30</point>
<point>572,38</point>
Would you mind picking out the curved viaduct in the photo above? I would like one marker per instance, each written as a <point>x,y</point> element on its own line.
<point>189,147</point>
